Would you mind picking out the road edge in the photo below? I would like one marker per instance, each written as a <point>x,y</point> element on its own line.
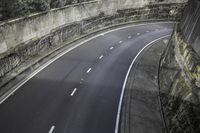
<point>117,126</point>
<point>14,88</point>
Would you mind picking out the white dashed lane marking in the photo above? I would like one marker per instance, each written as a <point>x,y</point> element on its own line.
<point>120,42</point>
<point>73,92</point>
<point>89,70</point>
<point>100,57</point>
<point>51,130</point>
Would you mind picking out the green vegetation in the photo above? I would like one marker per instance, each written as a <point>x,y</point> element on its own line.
<point>17,8</point>
<point>181,116</point>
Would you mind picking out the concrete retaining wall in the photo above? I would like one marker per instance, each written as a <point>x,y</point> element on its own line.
<point>190,24</point>
<point>35,26</point>
<point>179,84</point>
<point>23,39</point>
<point>180,74</point>
<point>18,31</point>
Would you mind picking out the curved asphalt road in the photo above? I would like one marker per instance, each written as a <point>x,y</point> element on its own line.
<point>79,92</point>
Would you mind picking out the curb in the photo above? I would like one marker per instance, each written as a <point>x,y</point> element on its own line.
<point>134,62</point>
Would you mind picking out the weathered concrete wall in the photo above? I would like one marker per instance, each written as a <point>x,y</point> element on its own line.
<point>180,74</point>
<point>179,84</point>
<point>123,4</point>
<point>18,8</point>
<point>25,38</point>
<point>190,24</point>
<point>180,70</point>
<point>114,5</point>
<point>22,30</point>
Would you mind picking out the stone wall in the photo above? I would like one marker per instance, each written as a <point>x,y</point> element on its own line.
<point>179,76</point>
<point>23,39</point>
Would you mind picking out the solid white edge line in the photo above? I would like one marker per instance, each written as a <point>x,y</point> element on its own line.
<point>125,81</point>
<point>17,86</point>
<point>51,130</point>
<point>74,91</point>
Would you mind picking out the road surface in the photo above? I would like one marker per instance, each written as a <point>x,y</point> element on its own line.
<point>79,92</point>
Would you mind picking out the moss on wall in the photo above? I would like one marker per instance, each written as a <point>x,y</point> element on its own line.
<point>181,116</point>
<point>179,83</point>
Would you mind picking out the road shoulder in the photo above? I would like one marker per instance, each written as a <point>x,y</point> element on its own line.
<point>141,107</point>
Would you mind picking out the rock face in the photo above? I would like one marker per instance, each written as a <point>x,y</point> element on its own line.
<point>180,74</point>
